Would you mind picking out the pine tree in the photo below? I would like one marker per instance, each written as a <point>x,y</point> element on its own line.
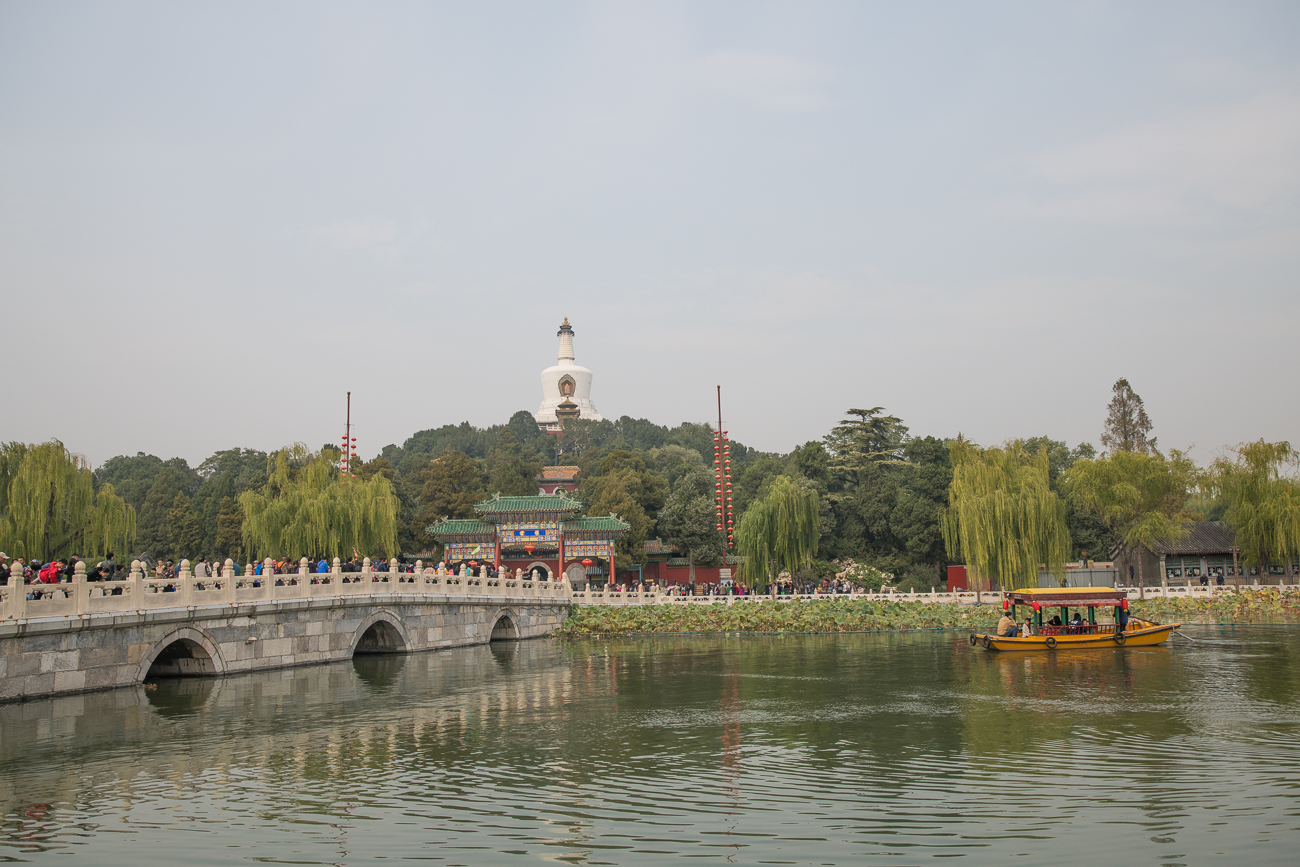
<point>1127,424</point>
<point>185,534</point>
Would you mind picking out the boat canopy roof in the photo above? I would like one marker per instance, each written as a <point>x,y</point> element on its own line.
<point>1085,597</point>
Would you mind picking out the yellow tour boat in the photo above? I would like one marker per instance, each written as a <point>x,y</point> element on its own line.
<point>1057,632</point>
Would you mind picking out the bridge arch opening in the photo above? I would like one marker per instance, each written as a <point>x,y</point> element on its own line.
<point>183,657</point>
<point>505,629</point>
<point>380,637</point>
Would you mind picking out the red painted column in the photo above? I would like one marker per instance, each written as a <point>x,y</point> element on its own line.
<point>496,549</point>
<point>561,572</point>
<point>613,575</point>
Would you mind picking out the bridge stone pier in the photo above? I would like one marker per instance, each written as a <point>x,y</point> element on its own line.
<point>81,636</point>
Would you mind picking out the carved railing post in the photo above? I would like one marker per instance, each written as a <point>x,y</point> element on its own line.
<point>421,586</point>
<point>17,592</point>
<point>394,576</point>
<point>186,582</point>
<point>228,582</point>
<point>137,585</point>
<point>80,589</point>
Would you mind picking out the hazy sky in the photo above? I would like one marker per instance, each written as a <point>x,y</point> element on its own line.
<point>215,219</point>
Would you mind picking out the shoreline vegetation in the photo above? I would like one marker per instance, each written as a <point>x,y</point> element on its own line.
<point>875,615</point>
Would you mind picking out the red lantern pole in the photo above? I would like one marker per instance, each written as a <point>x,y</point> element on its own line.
<point>722,474</point>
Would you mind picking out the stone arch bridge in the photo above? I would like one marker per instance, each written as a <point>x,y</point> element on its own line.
<point>80,637</point>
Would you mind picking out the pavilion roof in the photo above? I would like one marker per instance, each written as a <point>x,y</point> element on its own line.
<point>608,524</point>
<point>560,503</point>
<point>461,527</point>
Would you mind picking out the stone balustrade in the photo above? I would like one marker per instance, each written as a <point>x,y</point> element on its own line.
<point>137,591</point>
<point>606,597</point>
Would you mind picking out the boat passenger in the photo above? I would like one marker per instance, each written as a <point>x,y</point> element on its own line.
<point>1055,621</point>
<point>1078,619</point>
<point>1007,626</point>
<point>1122,621</point>
<point>1027,629</point>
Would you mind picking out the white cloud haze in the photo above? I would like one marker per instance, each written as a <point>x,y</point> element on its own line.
<point>215,219</point>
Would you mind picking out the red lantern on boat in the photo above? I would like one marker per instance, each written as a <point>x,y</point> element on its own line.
<point>1124,604</point>
<point>1006,604</point>
<point>1037,606</point>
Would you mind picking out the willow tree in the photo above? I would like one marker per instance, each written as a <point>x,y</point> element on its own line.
<point>308,509</point>
<point>1263,498</point>
<point>1140,497</point>
<point>1003,518</point>
<point>49,506</point>
<point>779,532</point>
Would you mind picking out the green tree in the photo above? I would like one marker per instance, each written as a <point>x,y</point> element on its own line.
<point>230,529</point>
<point>915,519</point>
<point>1003,518</point>
<point>510,473</point>
<point>305,508</point>
<point>864,439</point>
<point>1140,497</point>
<point>780,532</point>
<point>689,520</point>
<point>453,483</point>
<point>1260,489</point>
<point>1127,424</point>
<point>185,535</point>
<point>153,535</point>
<point>51,508</point>
<point>813,462</point>
<point>132,477</point>
<point>672,462</point>
<point>621,484</point>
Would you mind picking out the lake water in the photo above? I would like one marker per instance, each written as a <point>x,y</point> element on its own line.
<point>887,749</point>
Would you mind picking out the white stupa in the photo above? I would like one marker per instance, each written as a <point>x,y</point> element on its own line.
<point>566,387</point>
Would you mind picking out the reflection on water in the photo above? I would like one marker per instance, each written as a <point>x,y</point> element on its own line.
<point>876,749</point>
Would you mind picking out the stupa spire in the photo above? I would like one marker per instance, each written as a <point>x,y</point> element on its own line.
<point>566,341</point>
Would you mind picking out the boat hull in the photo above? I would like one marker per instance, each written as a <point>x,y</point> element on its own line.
<point>1145,636</point>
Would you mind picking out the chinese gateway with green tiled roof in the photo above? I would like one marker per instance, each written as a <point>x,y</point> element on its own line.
<point>541,533</point>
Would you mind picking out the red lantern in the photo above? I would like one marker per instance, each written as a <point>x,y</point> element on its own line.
<point>529,548</point>
<point>1006,604</point>
<point>473,562</point>
<point>586,562</point>
<point>719,526</point>
<point>1037,606</point>
<point>1124,604</point>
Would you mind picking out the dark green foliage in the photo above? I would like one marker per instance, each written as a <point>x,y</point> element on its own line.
<point>185,535</point>
<point>688,519</point>
<point>230,529</point>
<point>152,532</point>
<point>510,470</point>
<point>132,477</point>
